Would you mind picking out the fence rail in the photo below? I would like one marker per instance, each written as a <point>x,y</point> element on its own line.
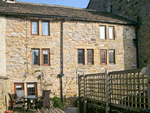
<point>120,89</point>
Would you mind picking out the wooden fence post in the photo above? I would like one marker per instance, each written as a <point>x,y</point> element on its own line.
<point>79,92</point>
<point>148,83</point>
<point>84,93</point>
<point>107,90</point>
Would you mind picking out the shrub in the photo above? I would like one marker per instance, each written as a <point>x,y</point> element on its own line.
<point>57,102</point>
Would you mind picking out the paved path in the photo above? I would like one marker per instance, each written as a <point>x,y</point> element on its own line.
<point>51,110</point>
<point>71,110</point>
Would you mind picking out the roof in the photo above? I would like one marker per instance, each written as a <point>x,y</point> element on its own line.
<point>39,10</point>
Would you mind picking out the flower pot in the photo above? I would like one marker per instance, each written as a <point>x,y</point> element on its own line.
<point>9,111</point>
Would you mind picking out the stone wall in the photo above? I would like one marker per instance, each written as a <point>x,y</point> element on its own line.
<point>131,9</point>
<point>4,89</point>
<point>77,35</point>
<point>2,47</point>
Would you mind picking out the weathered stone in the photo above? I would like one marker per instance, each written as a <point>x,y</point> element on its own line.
<point>131,9</point>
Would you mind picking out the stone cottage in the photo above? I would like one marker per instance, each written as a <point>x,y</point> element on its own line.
<point>135,9</point>
<point>45,47</point>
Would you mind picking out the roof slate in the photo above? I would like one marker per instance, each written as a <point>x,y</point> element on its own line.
<point>61,11</point>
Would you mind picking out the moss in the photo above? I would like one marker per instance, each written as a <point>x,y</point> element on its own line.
<point>57,102</point>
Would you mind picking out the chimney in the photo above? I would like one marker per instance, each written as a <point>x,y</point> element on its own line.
<point>109,6</point>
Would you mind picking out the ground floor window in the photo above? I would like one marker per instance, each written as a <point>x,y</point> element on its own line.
<point>31,90</point>
<point>18,86</point>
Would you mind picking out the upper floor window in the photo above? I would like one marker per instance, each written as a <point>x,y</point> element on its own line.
<point>34,27</point>
<point>103,57</point>
<point>80,56</point>
<point>102,32</point>
<point>35,57</point>
<point>89,56</point>
<point>45,57</point>
<point>111,56</point>
<point>45,28</point>
<point>111,32</point>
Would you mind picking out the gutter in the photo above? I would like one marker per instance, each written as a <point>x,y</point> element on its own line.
<point>131,22</point>
<point>136,41</point>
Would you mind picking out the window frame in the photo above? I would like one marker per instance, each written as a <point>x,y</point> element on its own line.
<point>92,56</point>
<point>37,27</point>
<point>35,84</point>
<point>32,55</point>
<point>105,50</point>
<point>113,33</point>
<point>83,57</point>
<point>48,28</point>
<point>100,32</point>
<point>18,84</point>
<point>113,56</point>
<point>48,57</point>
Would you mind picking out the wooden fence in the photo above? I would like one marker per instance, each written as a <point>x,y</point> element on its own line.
<point>126,90</point>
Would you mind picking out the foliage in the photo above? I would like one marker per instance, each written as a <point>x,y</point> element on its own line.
<point>75,102</point>
<point>145,111</point>
<point>57,102</point>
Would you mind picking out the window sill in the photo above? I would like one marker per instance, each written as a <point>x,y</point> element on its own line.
<point>37,66</point>
<point>80,66</point>
<point>103,64</point>
<point>112,63</point>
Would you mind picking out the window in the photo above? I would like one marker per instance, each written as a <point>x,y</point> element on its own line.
<point>102,32</point>
<point>45,57</point>
<point>80,56</point>
<point>31,90</point>
<point>111,32</point>
<point>103,57</point>
<point>35,57</point>
<point>89,56</point>
<point>34,27</point>
<point>111,56</point>
<point>45,28</point>
<point>18,86</point>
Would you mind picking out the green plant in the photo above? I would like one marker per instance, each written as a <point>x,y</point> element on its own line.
<point>57,102</point>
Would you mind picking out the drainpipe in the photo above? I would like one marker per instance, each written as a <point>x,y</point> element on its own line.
<point>136,41</point>
<point>61,60</point>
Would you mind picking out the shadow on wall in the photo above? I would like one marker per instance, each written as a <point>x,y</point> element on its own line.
<point>70,102</point>
<point>130,55</point>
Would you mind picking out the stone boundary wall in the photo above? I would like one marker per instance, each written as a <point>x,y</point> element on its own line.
<point>4,89</point>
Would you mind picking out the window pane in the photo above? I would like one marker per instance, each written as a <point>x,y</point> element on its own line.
<point>102,56</point>
<point>80,57</point>
<point>34,27</point>
<point>35,57</point>
<point>45,57</point>
<point>18,87</point>
<point>111,56</point>
<point>89,56</point>
<point>45,28</point>
<point>102,32</point>
<point>31,90</point>
<point>111,32</point>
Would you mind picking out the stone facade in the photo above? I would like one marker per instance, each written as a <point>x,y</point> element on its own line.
<point>77,35</point>
<point>4,89</point>
<point>17,43</point>
<point>131,9</point>
<point>2,47</point>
